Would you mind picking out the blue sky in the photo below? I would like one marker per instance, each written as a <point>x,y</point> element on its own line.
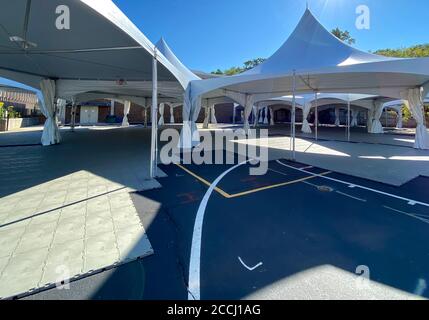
<point>211,34</point>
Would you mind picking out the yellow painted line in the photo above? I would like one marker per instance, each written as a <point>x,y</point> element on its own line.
<point>208,184</point>
<point>245,193</point>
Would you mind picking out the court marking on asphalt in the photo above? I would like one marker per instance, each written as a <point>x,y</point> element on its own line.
<point>353,185</point>
<point>194,292</point>
<point>195,260</point>
<point>245,193</point>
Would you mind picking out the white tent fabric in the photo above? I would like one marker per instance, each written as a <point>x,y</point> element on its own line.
<point>266,115</point>
<point>191,107</point>
<point>161,114</point>
<point>187,74</point>
<point>111,62</point>
<point>206,117</point>
<point>213,114</point>
<point>123,49</point>
<point>337,116</point>
<point>260,115</point>
<point>305,112</point>
<point>415,104</point>
<point>51,133</point>
<point>234,112</point>
<point>61,108</point>
<point>399,121</point>
<point>189,136</point>
<point>256,115</point>
<point>355,115</point>
<point>317,60</point>
<point>172,114</point>
<point>272,123</point>
<point>127,106</point>
<point>376,126</point>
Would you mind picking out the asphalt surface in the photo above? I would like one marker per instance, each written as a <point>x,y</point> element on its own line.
<point>305,225</point>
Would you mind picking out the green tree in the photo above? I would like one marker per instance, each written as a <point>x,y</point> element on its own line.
<point>343,35</point>
<point>253,63</point>
<point>218,71</point>
<point>236,70</point>
<point>417,51</point>
<point>406,113</point>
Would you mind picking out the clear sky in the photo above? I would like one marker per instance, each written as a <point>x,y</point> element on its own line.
<point>211,34</point>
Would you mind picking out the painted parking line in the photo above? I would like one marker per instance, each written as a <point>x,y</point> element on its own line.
<point>350,196</point>
<point>245,193</point>
<point>353,185</point>
<point>412,215</point>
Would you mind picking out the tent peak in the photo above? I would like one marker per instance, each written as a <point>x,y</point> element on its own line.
<point>166,51</point>
<point>312,46</point>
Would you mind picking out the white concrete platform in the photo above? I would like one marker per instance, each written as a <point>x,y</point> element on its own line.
<point>66,211</point>
<point>394,165</point>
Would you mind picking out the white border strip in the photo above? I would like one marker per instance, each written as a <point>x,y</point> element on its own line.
<point>410,201</point>
<point>195,260</point>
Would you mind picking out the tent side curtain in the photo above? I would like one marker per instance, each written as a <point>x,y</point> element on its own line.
<point>189,136</point>
<point>161,114</point>
<point>127,107</point>
<point>51,132</point>
<point>415,105</point>
<point>305,125</point>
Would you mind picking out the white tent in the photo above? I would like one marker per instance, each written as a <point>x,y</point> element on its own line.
<point>313,60</point>
<point>101,52</point>
<point>208,104</point>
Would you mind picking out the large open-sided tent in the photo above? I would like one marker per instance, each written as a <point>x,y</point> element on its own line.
<point>101,52</point>
<point>313,60</point>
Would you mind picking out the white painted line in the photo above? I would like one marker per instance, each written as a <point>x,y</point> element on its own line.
<point>421,215</point>
<point>279,172</point>
<point>408,214</point>
<point>311,184</point>
<point>195,260</point>
<point>306,168</point>
<point>409,201</point>
<point>250,268</point>
<point>350,196</point>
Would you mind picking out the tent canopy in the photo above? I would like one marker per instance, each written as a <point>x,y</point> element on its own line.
<point>163,47</point>
<point>321,62</point>
<point>101,44</point>
<point>188,74</point>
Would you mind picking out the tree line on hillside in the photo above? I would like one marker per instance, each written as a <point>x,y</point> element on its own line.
<point>417,51</point>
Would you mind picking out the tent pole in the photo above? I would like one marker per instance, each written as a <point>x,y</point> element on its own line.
<point>348,120</point>
<point>293,116</point>
<point>154,141</point>
<point>316,117</point>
